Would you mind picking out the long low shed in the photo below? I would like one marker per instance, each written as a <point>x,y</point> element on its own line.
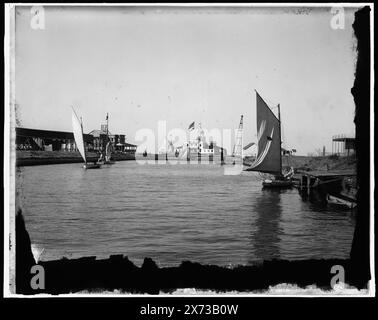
<point>49,134</point>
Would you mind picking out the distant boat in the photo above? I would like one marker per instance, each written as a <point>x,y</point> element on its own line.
<point>77,127</point>
<point>269,155</point>
<point>108,153</point>
<point>108,147</point>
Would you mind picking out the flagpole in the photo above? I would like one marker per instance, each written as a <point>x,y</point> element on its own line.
<point>82,133</point>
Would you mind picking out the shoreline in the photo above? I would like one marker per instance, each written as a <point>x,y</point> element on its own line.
<point>304,163</point>
<point>37,158</point>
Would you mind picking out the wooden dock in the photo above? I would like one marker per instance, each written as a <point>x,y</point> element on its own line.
<point>329,180</point>
<point>330,173</point>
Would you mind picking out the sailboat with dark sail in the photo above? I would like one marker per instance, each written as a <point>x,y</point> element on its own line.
<point>77,127</point>
<point>269,155</point>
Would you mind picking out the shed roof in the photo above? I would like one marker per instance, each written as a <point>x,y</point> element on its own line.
<point>49,134</point>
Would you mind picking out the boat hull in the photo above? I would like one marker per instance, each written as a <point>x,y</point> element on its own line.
<point>276,184</point>
<point>108,162</point>
<point>92,166</point>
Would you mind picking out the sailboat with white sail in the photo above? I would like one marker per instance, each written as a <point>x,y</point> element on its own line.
<point>108,146</point>
<point>269,155</point>
<point>77,127</point>
<point>108,153</point>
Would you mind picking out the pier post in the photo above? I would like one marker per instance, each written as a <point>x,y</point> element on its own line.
<point>187,153</point>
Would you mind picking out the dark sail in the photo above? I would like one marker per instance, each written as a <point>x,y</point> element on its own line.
<point>269,140</point>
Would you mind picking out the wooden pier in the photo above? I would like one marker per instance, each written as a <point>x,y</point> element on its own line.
<point>329,180</point>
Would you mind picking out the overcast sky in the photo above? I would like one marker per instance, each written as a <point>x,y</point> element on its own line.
<point>184,65</point>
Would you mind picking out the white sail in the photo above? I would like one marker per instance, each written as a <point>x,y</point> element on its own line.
<point>78,134</point>
<point>108,151</point>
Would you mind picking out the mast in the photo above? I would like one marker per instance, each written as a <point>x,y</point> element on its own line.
<point>241,145</point>
<point>107,125</point>
<point>279,120</point>
<point>82,133</point>
<point>107,138</point>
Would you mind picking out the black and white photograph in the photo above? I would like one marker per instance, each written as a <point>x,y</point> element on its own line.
<point>188,150</point>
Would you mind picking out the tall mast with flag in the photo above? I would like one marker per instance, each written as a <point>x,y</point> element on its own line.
<point>191,126</point>
<point>238,146</point>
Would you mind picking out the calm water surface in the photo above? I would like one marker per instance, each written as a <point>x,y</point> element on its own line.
<point>173,213</point>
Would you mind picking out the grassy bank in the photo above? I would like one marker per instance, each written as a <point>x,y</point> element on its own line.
<point>322,163</point>
<point>317,163</point>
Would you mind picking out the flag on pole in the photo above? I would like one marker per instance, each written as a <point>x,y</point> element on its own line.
<point>191,127</point>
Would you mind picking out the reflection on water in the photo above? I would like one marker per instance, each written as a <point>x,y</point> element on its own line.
<point>314,197</point>
<point>265,239</point>
<point>173,213</point>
